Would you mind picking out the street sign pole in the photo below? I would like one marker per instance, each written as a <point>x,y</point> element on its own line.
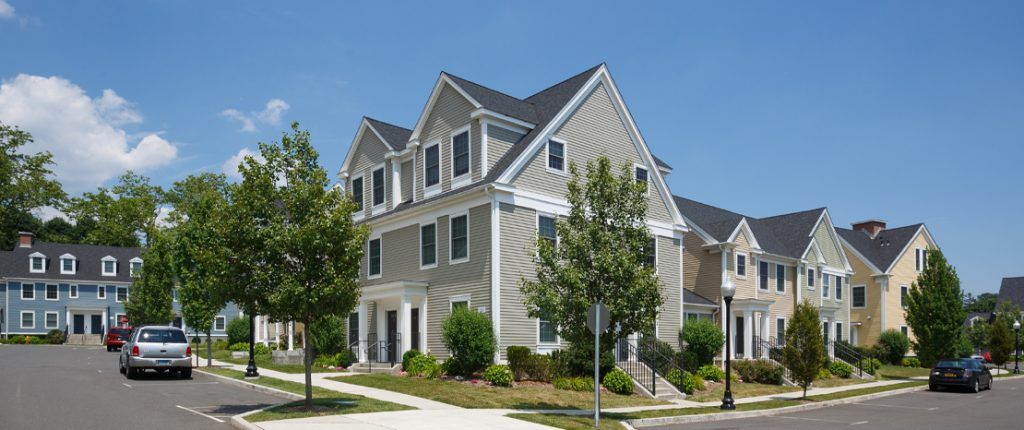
<point>597,362</point>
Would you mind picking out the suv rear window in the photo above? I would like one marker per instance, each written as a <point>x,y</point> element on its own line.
<point>948,363</point>
<point>120,331</point>
<point>162,336</point>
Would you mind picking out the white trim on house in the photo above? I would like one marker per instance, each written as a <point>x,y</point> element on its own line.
<point>369,255</point>
<point>74,263</point>
<point>636,168</point>
<point>547,347</point>
<point>31,262</point>
<point>565,156</point>
<point>780,280</point>
<point>46,320</point>
<point>920,230</point>
<point>825,217</point>
<point>496,274</point>
<point>117,294</point>
<point>465,178</point>
<point>847,247</point>
<point>103,266</point>
<point>131,265</point>
<point>736,263</point>
<point>434,94</point>
<point>782,340</point>
<point>361,213</point>
<point>536,229</point>
<point>32,289</point>
<point>451,239</point>
<point>420,230</point>
<point>46,292</point>
<point>72,291</point>
<point>764,274</point>
<point>21,320</point>
<point>460,298</point>
<point>485,114</point>
<point>431,190</point>
<point>223,320</point>
<point>744,226</point>
<point>363,125</point>
<point>378,208</point>
<point>101,292</point>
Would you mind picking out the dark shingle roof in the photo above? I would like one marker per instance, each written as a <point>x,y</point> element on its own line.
<point>692,298</point>
<point>15,263</point>
<point>981,315</point>
<point>787,235</point>
<point>1012,289</point>
<point>497,101</point>
<point>397,137</point>
<point>661,163</point>
<point>884,248</point>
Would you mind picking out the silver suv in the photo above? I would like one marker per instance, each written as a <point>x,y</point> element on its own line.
<point>156,347</point>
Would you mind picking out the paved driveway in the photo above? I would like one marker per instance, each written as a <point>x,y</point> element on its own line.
<point>62,387</point>
<point>998,408</point>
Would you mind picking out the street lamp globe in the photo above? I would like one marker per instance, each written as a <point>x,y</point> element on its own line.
<point>728,288</point>
<point>1016,325</point>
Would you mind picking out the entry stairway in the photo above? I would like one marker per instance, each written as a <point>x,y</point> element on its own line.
<point>648,367</point>
<point>84,339</point>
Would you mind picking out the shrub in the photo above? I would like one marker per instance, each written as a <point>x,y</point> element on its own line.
<point>408,356</point>
<point>326,360</point>
<point>422,365</point>
<point>840,369</point>
<point>710,372</point>
<point>578,360</point>
<point>893,345</point>
<point>240,346</point>
<point>823,374</point>
<point>498,375</point>
<point>685,381</point>
<point>910,362</point>
<point>703,339</point>
<point>220,344</point>
<point>261,349</point>
<point>238,331</point>
<point>518,360</point>
<point>538,367</point>
<point>618,382</point>
<point>758,371</point>
<point>328,334</point>
<point>55,336</point>
<point>870,365</point>
<point>470,339</point>
<point>574,383</point>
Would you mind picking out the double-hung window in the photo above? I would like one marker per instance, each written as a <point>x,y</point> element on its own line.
<point>641,176</point>
<point>556,156</point>
<point>28,291</point>
<point>762,275</point>
<point>741,265</point>
<point>546,230</point>
<point>52,293</point>
<point>109,266</point>
<point>357,192</point>
<point>101,292</point>
<point>780,331</point>
<point>904,330</point>
<point>651,253</point>
<point>780,278</point>
<point>219,323</point>
<point>825,284</point>
<point>122,295</point>
<point>378,187</point>
<point>51,320</point>
<point>839,331</point>
<point>431,166</point>
<point>860,296</point>
<point>839,287</point>
<point>375,258</point>
<point>37,263</point>
<point>460,154</point>
<point>460,237</point>
<point>428,245</point>
<point>73,291</point>
<point>546,331</point>
<point>134,266</point>
<point>28,319</point>
<point>919,259</point>
<point>904,291</point>
<point>810,278</point>
<point>67,264</point>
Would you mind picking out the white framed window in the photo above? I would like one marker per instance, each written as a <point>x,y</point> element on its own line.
<point>461,165</point>
<point>556,156</point>
<point>825,284</point>
<point>459,301</point>
<point>117,319</point>
<point>546,332</point>
<point>28,291</point>
<point>693,316</point>
<point>839,331</point>
<point>37,263</point>
<point>905,330</point>
<point>546,229</point>
<point>378,187</point>
<point>174,294</point>
<point>220,323</point>
<point>860,296</point>
<point>920,259</point>
<point>28,319</point>
<point>51,320</point>
<point>101,292</point>
<point>358,192</point>
<point>134,265</point>
<point>780,278</point>
<point>780,330</point>
<point>432,169</point>
<point>52,293</point>
<point>428,246</point>
<point>810,279</point>
<point>839,289</point>
<point>762,275</point>
<point>641,175</point>
<point>68,264</point>
<point>741,265</point>
<point>122,295</point>
<point>904,291</point>
<point>73,291</point>
<point>375,259</point>
<point>459,232</point>
<point>651,254</point>
<point>825,330</point>
<point>109,266</point>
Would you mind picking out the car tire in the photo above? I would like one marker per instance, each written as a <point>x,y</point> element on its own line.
<point>120,365</point>
<point>976,387</point>
<point>109,348</point>
<point>989,385</point>
<point>933,387</point>
<point>129,372</point>
<point>185,373</point>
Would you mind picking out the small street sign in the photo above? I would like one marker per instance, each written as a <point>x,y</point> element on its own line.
<point>597,322</point>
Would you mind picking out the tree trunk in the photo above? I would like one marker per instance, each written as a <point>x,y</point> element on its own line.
<point>307,355</point>
<point>209,351</point>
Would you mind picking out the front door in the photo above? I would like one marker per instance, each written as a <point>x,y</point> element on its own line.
<point>97,324</point>
<point>79,326</point>
<point>415,329</point>
<point>739,337</point>
<point>392,331</point>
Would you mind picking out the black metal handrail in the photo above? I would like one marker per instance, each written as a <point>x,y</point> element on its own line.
<point>771,349</point>
<point>842,351</point>
<point>390,349</point>
<point>635,366</point>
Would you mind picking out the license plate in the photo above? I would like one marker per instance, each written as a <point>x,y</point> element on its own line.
<point>163,362</point>
<point>949,375</point>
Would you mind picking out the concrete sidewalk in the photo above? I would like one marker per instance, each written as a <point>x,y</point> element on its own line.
<point>407,420</point>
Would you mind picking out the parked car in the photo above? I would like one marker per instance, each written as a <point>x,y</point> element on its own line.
<point>965,372</point>
<point>116,337</point>
<point>158,348</point>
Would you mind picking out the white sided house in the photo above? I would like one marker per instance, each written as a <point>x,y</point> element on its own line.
<point>457,203</point>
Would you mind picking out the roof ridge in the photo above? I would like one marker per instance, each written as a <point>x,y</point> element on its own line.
<point>84,244</point>
<point>590,71</point>
<point>385,123</point>
<point>484,86</point>
<point>714,207</point>
<point>818,209</point>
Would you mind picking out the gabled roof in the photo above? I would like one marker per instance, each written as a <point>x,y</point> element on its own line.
<point>882,250</point>
<point>692,298</point>
<point>1012,289</point>
<point>497,101</point>
<point>786,235</point>
<point>14,264</point>
<point>397,137</point>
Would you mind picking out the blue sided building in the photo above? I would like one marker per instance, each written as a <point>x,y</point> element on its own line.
<point>78,289</point>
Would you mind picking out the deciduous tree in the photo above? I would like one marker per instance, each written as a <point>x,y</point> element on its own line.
<point>150,299</point>
<point>123,215</point>
<point>935,310</point>
<point>26,183</point>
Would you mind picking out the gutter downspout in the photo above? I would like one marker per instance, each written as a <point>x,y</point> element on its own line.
<point>495,268</point>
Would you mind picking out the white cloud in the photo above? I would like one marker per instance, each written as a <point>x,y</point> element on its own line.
<point>270,115</point>
<point>230,167</point>
<point>47,213</point>
<point>84,134</point>
<point>6,10</point>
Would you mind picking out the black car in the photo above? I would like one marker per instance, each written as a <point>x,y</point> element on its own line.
<point>965,372</point>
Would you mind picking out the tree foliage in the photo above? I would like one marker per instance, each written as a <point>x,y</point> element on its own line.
<point>703,339</point>
<point>804,353</point>
<point>1001,335</point>
<point>935,311</point>
<point>978,334</point>
<point>893,345</point>
<point>150,300</point>
<point>123,215</point>
<point>984,302</point>
<point>469,337</point>
<point>26,183</point>
<point>600,257</point>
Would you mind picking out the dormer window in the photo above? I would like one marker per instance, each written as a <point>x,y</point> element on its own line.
<point>357,192</point>
<point>431,166</point>
<point>460,155</point>
<point>378,187</point>
<point>68,264</point>
<point>134,265</point>
<point>109,266</point>
<point>37,263</point>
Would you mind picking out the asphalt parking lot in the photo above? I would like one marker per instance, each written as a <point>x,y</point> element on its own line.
<point>998,408</point>
<point>63,387</point>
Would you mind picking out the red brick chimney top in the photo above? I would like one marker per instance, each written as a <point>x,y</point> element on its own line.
<point>25,239</point>
<point>872,227</point>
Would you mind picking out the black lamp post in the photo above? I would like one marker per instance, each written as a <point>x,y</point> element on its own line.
<point>1016,347</point>
<point>250,370</point>
<point>728,290</point>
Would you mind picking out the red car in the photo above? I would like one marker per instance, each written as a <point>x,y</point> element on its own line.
<point>117,336</point>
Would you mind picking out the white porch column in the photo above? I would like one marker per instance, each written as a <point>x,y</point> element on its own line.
<point>256,336</point>
<point>748,334</point>
<point>405,324</point>
<point>423,326</point>
<point>67,322</point>
<point>106,322</point>
<point>364,325</point>
<point>291,335</point>
<point>277,334</point>
<point>266,331</point>
<point>764,333</point>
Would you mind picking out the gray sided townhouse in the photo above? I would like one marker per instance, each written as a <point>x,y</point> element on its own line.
<point>79,289</point>
<point>457,202</point>
<point>774,262</point>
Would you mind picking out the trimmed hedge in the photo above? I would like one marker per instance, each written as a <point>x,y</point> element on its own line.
<point>685,381</point>
<point>758,371</point>
<point>518,357</point>
<point>618,382</point>
<point>469,337</point>
<point>710,372</point>
<point>498,375</point>
<point>409,355</point>
<point>893,345</point>
<point>840,369</point>
<point>577,383</point>
<point>910,362</point>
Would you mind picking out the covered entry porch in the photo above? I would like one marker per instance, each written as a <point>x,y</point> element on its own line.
<point>750,323</point>
<point>392,319</point>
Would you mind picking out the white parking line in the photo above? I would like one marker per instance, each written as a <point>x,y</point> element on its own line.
<point>810,419</point>
<point>164,384</point>
<point>126,384</point>
<point>896,406</point>
<point>858,423</point>
<point>200,413</point>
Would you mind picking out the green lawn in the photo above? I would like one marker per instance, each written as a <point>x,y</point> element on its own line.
<point>569,422</point>
<point>889,371</point>
<point>739,390</point>
<point>262,362</point>
<point>488,397</point>
<point>326,402</point>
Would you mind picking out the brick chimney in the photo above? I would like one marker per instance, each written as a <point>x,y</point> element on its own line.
<point>25,239</point>
<point>872,227</point>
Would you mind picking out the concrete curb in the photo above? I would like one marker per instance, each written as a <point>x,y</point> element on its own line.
<point>256,387</point>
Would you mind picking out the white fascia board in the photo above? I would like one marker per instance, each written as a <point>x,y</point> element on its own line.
<point>745,228</point>
<point>503,120</point>
<point>827,219</point>
<point>363,126</point>
<point>907,246</point>
<point>442,80</point>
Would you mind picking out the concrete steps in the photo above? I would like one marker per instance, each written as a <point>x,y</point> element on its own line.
<point>375,368</point>
<point>84,339</point>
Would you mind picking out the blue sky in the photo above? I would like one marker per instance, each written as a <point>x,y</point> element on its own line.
<point>905,111</point>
